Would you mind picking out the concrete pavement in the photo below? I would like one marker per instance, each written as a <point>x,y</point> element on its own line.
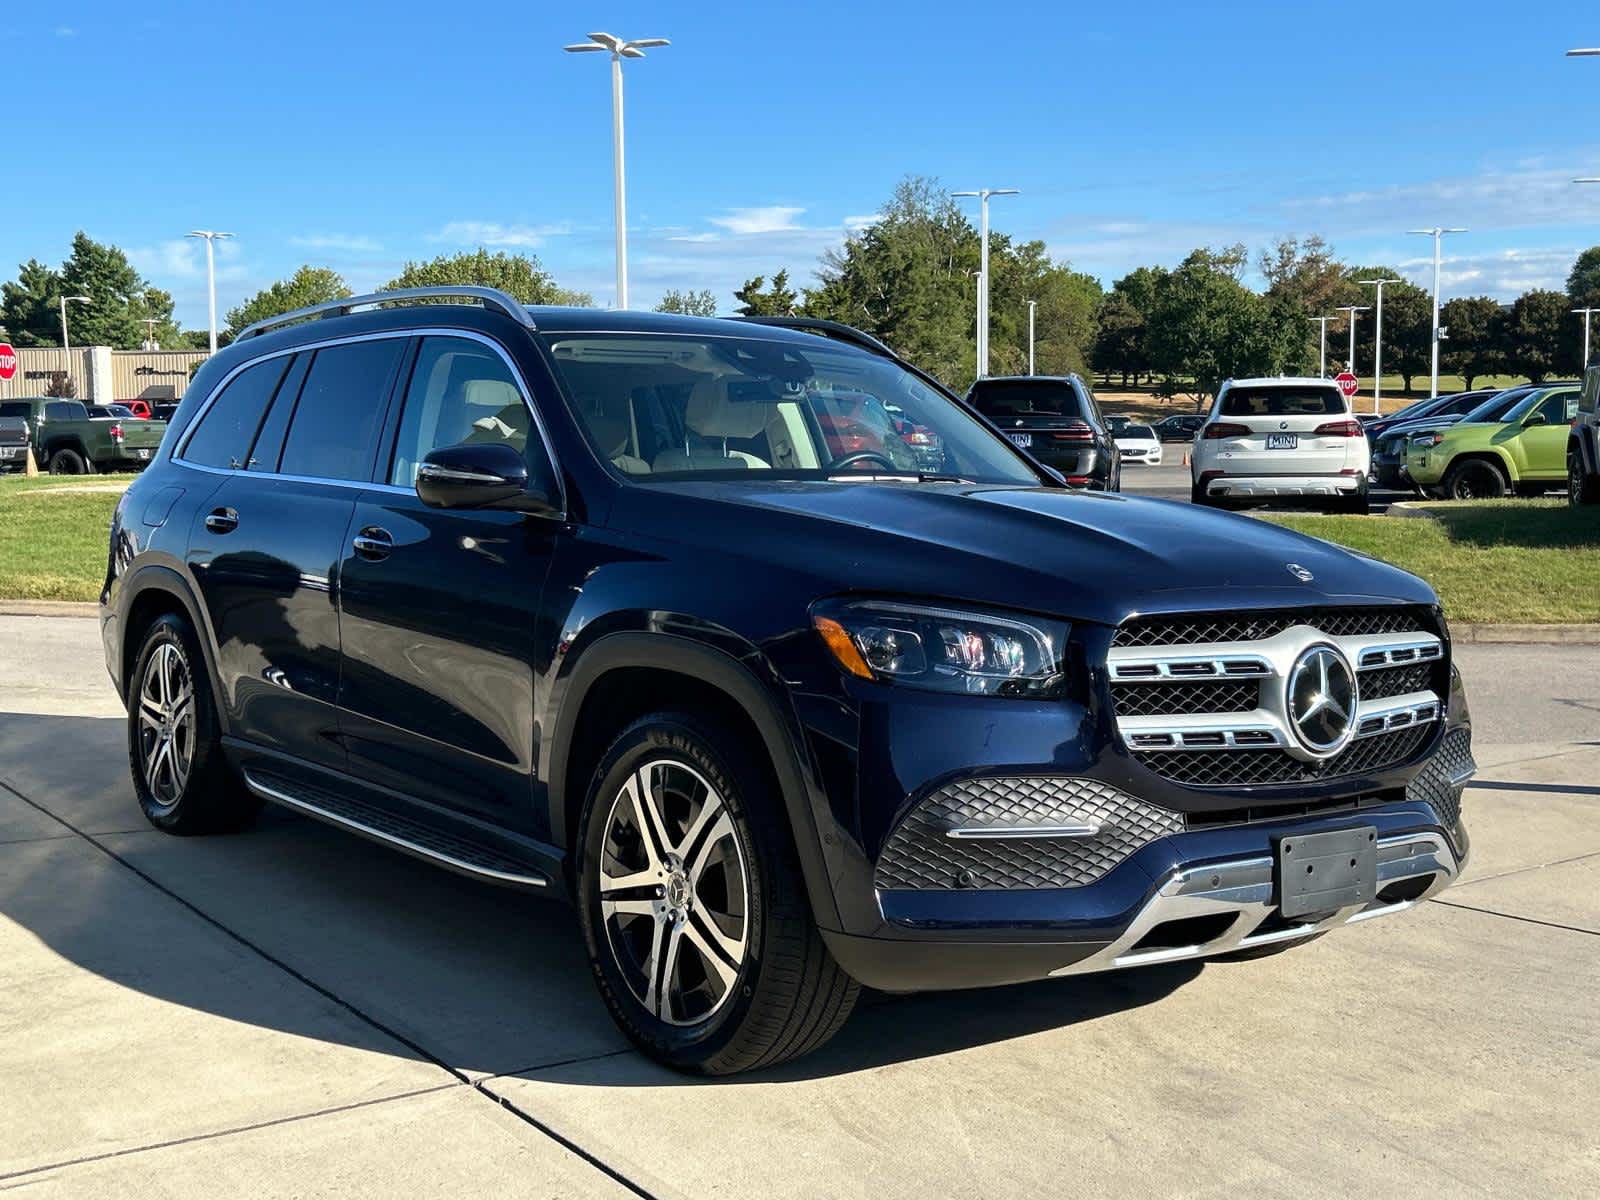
<point>294,1011</point>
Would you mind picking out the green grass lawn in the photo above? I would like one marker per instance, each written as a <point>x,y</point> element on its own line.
<point>1493,561</point>
<point>53,538</point>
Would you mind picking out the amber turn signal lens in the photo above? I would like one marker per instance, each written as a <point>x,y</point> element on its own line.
<point>843,646</point>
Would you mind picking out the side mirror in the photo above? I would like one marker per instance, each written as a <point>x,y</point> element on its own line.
<point>1537,418</point>
<point>487,475</point>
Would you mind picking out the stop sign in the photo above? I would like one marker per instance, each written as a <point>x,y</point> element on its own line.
<point>8,361</point>
<point>1348,384</point>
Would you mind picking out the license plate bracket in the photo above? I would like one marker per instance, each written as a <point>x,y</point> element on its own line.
<point>1321,872</point>
<point>1024,440</point>
<point>1283,441</point>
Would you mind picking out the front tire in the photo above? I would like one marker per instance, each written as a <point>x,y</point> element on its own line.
<point>1582,488</point>
<point>183,783</point>
<point>1474,480</point>
<point>693,910</point>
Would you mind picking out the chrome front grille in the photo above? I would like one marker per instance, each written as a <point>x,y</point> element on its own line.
<point>1217,713</point>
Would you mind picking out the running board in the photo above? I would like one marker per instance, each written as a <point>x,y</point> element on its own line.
<point>399,832</point>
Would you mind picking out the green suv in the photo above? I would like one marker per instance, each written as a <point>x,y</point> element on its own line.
<point>1525,452</point>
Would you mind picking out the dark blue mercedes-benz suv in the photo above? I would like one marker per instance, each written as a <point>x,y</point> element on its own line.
<point>590,603</point>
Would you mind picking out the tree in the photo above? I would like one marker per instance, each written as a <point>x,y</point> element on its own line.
<point>1536,331</point>
<point>1476,345</point>
<point>307,286</point>
<point>518,275</point>
<point>61,386</point>
<point>1583,284</point>
<point>757,300</point>
<point>1136,293</point>
<point>1119,342</point>
<point>690,304</point>
<point>1306,281</point>
<point>29,308</point>
<point>1206,326</point>
<point>1065,300</point>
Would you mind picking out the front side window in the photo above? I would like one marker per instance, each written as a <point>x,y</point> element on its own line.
<point>335,423</point>
<point>461,392</point>
<point>666,406</point>
<point>223,437</point>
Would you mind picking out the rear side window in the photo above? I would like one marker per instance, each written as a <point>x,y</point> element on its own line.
<point>1015,398</point>
<point>1282,402</point>
<point>223,437</point>
<point>65,410</point>
<point>335,424</point>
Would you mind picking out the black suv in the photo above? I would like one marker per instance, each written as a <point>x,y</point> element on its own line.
<point>1583,445</point>
<point>1056,420</point>
<point>583,602</point>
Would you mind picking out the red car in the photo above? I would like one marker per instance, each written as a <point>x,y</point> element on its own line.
<point>856,423</point>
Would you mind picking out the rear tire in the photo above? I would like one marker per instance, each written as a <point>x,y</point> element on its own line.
<point>704,886</point>
<point>1474,480</point>
<point>184,784</point>
<point>1582,488</point>
<point>70,462</point>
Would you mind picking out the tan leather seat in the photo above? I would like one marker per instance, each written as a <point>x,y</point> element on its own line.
<point>711,414</point>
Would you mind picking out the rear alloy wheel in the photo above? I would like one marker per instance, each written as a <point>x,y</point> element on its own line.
<point>175,739</point>
<point>1474,480</point>
<point>1581,487</point>
<point>69,462</point>
<point>694,913</point>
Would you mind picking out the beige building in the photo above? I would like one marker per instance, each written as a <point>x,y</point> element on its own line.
<point>104,375</point>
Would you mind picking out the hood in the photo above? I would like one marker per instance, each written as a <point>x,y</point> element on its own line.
<point>1083,555</point>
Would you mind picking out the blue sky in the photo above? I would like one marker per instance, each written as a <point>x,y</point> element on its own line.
<point>358,135</point>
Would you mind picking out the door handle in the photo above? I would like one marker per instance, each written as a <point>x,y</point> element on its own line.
<point>222,520</point>
<point>373,544</point>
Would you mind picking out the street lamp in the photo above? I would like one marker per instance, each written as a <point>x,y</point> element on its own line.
<point>1436,233</point>
<point>1590,52</point>
<point>1322,341</point>
<point>1353,309</point>
<point>1585,313</point>
<point>1377,342</point>
<point>619,50</point>
<point>66,343</point>
<point>983,195</point>
<point>211,237</point>
<point>1033,304</point>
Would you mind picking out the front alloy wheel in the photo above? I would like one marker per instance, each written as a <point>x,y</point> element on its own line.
<point>674,892</point>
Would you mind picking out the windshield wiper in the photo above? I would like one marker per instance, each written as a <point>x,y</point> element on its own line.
<point>900,476</point>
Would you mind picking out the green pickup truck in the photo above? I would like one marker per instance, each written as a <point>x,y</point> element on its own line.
<point>68,441</point>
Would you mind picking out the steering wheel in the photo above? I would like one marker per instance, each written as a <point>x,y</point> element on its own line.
<point>850,460</point>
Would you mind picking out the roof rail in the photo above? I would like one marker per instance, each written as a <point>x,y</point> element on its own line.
<point>837,330</point>
<point>489,297</point>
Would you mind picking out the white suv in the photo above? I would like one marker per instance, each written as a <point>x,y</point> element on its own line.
<point>1278,439</point>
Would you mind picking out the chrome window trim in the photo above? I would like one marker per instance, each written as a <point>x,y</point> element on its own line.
<point>518,381</point>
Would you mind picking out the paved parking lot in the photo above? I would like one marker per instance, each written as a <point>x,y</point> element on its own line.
<point>297,1012</point>
<point>1171,480</point>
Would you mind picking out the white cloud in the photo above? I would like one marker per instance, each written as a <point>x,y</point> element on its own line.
<point>1501,273</point>
<point>66,31</point>
<point>855,224</point>
<point>351,243</point>
<point>769,218</point>
<point>493,233</point>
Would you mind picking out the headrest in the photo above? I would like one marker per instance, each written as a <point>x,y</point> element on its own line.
<point>711,414</point>
<point>490,393</point>
<point>610,432</point>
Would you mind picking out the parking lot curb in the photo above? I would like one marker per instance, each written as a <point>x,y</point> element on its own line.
<point>49,608</point>
<point>1545,635</point>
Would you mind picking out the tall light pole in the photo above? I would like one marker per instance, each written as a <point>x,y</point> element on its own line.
<point>1353,310</point>
<point>983,195</point>
<point>1585,313</point>
<point>1377,342</point>
<point>619,50</point>
<point>1437,234</point>
<point>1033,304</point>
<point>66,342</point>
<point>1590,52</point>
<point>1322,342</point>
<point>211,237</point>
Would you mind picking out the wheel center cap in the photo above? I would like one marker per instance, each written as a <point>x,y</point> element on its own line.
<point>679,893</point>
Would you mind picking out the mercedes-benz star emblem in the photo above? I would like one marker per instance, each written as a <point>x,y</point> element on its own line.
<point>1321,700</point>
<point>1299,572</point>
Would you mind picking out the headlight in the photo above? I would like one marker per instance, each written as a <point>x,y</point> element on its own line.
<point>1423,440</point>
<point>945,649</point>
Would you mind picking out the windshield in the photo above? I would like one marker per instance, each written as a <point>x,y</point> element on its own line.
<point>682,407</point>
<point>1137,433</point>
<point>1495,407</point>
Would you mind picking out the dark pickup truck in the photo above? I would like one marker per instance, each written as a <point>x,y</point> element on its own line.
<point>13,444</point>
<point>67,441</point>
